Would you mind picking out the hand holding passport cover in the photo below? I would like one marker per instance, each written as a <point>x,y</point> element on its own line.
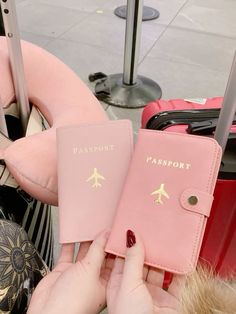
<point>93,162</point>
<point>167,198</point>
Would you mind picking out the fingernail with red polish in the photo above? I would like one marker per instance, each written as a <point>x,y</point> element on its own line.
<point>130,238</point>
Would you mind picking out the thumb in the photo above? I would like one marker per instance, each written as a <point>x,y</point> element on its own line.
<point>96,253</point>
<point>133,268</point>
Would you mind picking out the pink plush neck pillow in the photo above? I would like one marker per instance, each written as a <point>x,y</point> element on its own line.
<point>63,99</point>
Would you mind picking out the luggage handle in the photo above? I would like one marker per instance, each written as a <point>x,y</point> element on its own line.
<point>16,59</point>
<point>206,127</point>
<point>3,125</point>
<point>165,119</point>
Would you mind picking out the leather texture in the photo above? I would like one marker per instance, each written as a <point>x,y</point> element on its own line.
<point>92,165</point>
<point>168,171</point>
<point>204,201</point>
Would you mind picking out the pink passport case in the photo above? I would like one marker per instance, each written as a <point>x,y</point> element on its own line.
<point>167,198</point>
<point>92,165</point>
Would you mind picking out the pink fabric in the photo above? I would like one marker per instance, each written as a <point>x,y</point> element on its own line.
<point>63,99</point>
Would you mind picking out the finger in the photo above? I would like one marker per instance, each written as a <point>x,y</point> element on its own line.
<point>155,276</point>
<point>67,253</point>
<point>133,268</point>
<point>116,273</point>
<point>96,253</point>
<point>176,285</point>
<point>83,250</point>
<point>145,272</point>
<point>107,267</point>
<point>118,266</point>
<point>109,261</point>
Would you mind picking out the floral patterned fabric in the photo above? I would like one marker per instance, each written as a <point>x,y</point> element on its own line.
<point>21,268</point>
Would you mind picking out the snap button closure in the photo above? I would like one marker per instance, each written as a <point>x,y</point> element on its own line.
<point>193,200</point>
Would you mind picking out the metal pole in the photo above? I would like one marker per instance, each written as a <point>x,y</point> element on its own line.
<point>228,109</point>
<point>16,59</point>
<point>148,13</point>
<point>127,89</point>
<point>132,40</point>
<point>3,125</point>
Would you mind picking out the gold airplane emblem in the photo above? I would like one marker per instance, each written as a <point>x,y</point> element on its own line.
<point>95,177</point>
<point>160,192</point>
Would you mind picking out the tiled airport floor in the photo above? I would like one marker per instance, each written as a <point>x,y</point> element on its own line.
<point>188,50</point>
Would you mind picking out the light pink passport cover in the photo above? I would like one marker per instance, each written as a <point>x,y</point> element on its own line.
<point>92,165</point>
<point>167,198</point>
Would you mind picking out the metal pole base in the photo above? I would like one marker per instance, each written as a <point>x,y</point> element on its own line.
<point>112,91</point>
<point>148,13</point>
